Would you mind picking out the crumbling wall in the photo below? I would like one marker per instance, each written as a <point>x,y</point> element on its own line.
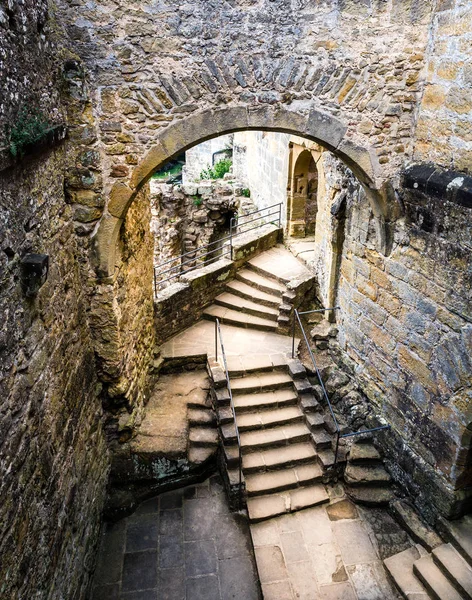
<point>53,456</point>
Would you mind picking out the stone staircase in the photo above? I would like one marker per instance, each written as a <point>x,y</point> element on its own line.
<point>203,435</point>
<point>443,574</point>
<point>285,447</point>
<point>367,481</point>
<point>254,299</point>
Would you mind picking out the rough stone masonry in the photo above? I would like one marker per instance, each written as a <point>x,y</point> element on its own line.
<point>383,84</point>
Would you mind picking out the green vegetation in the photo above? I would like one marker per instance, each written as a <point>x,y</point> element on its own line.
<point>197,200</point>
<point>168,171</point>
<point>246,192</point>
<point>31,126</point>
<point>218,170</point>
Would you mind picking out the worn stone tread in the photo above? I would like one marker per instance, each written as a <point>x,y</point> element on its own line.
<point>455,567</point>
<point>273,505</point>
<point>400,567</point>
<point>240,319</point>
<point>436,584</point>
<point>251,293</point>
<point>322,440</point>
<point>203,436</point>
<point>282,479</point>
<point>260,282</point>
<point>200,454</point>
<point>200,416</point>
<point>275,436</point>
<point>361,453</point>
<point>459,533</point>
<point>366,474</point>
<point>241,304</point>
<point>370,495</point>
<point>409,519</point>
<point>270,399</point>
<point>261,382</point>
<point>269,418</point>
<point>315,421</point>
<point>290,455</point>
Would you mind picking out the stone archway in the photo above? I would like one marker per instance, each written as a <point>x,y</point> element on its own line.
<point>322,128</point>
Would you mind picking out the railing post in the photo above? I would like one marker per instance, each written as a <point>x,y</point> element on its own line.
<point>155,282</point>
<point>280,215</point>
<point>231,237</point>
<point>216,340</point>
<point>293,332</point>
<point>337,448</point>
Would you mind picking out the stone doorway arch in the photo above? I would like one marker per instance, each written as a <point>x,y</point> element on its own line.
<point>322,128</point>
<point>464,461</point>
<point>302,196</point>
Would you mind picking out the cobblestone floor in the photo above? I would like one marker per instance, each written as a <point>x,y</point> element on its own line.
<point>182,545</point>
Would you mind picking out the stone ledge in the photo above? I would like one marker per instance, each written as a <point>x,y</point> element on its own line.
<point>452,186</point>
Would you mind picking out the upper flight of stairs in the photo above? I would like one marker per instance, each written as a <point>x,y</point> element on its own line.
<point>445,573</point>
<point>285,446</point>
<point>254,299</point>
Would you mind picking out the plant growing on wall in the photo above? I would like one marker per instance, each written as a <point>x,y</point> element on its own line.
<point>197,200</point>
<point>30,126</point>
<point>246,192</point>
<point>218,170</point>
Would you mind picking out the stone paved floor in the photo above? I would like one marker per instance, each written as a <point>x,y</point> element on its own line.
<point>200,339</point>
<point>329,552</point>
<point>183,545</point>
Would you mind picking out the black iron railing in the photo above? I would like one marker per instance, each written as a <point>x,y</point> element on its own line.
<point>219,338</point>
<point>210,253</point>
<point>339,435</point>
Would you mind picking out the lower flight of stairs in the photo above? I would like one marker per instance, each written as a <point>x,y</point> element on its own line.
<point>203,433</point>
<point>253,300</point>
<point>443,574</point>
<point>366,480</point>
<point>285,447</point>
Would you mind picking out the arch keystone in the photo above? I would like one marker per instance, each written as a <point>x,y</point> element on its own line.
<point>325,128</point>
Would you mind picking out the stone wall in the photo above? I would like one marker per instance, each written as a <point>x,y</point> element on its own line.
<point>53,456</point>
<point>405,332</point>
<point>444,131</point>
<point>263,166</point>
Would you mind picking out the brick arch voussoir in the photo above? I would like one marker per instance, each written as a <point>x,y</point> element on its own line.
<point>315,125</point>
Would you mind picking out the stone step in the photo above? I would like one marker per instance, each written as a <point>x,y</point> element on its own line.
<point>275,436</point>
<point>364,453</point>
<point>247,306</point>
<point>459,533</point>
<point>309,403</point>
<point>244,290</point>
<point>434,581</point>
<point>259,282</point>
<point>277,458</point>
<point>400,568</point>
<point>240,366</point>
<point>201,416</point>
<point>269,418</point>
<point>203,436</point>
<point>239,319</point>
<point>258,484</point>
<point>262,382</point>
<point>272,399</point>
<point>259,266</point>
<point>266,507</point>
<point>371,475</point>
<point>455,568</point>
<point>315,421</point>
<point>370,495</point>
<point>200,454</point>
<point>322,440</point>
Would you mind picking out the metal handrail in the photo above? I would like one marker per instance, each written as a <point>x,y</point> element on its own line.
<point>225,364</point>
<point>195,255</point>
<point>339,435</point>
